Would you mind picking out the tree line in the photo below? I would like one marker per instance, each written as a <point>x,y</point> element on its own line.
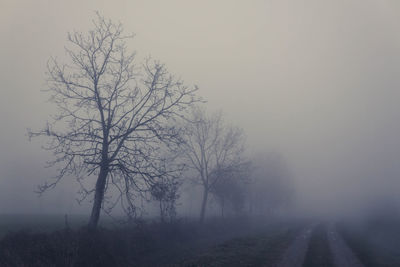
<point>129,130</point>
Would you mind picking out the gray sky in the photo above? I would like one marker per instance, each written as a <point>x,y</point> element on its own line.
<point>317,81</point>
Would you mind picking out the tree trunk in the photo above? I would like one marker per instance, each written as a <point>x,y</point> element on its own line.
<point>98,198</point>
<point>162,215</point>
<point>222,206</point>
<point>203,205</point>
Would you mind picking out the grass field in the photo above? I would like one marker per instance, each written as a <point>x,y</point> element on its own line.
<point>43,240</point>
<point>376,243</point>
<point>38,222</point>
<point>263,249</point>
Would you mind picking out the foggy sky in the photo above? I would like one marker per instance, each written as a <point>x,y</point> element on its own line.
<point>316,81</point>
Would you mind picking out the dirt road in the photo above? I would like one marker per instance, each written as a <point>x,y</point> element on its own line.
<point>295,254</point>
<point>325,241</point>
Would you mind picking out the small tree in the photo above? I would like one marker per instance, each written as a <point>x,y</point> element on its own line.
<point>114,117</point>
<point>212,150</point>
<point>165,192</point>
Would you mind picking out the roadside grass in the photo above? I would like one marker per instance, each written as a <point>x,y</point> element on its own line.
<point>375,243</point>
<point>263,249</point>
<point>38,222</point>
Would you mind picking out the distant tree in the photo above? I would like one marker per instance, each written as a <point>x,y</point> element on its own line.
<point>113,117</point>
<point>212,150</point>
<point>230,190</point>
<point>271,187</point>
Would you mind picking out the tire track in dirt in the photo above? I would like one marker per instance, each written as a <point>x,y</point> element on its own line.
<point>342,254</point>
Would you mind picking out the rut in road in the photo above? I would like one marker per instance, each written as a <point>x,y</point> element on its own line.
<point>341,253</point>
<point>319,253</point>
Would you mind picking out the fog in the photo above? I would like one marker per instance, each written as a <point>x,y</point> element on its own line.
<point>316,82</point>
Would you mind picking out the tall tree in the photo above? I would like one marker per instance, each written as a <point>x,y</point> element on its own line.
<point>114,117</point>
<point>212,150</point>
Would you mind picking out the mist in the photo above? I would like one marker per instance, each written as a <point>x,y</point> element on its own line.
<point>312,85</point>
<point>315,82</point>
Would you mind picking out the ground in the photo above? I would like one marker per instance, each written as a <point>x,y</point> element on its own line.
<point>229,242</point>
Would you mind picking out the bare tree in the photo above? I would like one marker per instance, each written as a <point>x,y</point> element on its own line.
<point>212,150</point>
<point>114,117</point>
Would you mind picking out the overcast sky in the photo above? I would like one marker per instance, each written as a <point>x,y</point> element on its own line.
<point>316,81</point>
